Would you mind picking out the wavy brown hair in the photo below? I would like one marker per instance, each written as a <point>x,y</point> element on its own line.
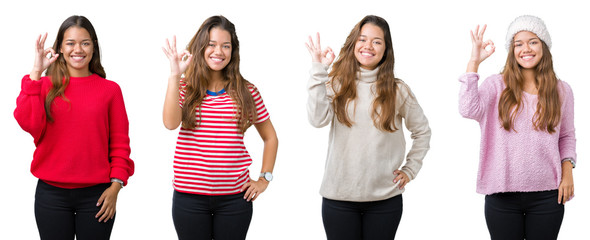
<point>548,112</point>
<point>58,71</point>
<point>198,75</point>
<point>344,74</point>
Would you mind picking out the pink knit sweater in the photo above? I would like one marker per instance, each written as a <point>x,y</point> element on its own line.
<point>525,160</point>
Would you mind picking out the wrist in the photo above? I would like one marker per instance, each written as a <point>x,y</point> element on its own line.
<point>35,75</point>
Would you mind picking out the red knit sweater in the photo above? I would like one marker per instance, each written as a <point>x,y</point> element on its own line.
<point>88,141</point>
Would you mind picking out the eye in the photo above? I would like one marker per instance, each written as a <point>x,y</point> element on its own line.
<point>70,43</point>
<point>518,44</point>
<point>86,44</point>
<point>377,42</point>
<point>534,42</point>
<point>362,40</point>
<point>211,45</point>
<point>227,46</point>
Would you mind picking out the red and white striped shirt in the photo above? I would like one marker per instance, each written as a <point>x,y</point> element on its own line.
<point>212,158</point>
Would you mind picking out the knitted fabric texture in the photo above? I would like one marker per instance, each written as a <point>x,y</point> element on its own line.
<point>528,23</point>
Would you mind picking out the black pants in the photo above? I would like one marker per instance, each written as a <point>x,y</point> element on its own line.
<point>197,217</point>
<point>520,215</point>
<point>62,213</point>
<point>376,220</point>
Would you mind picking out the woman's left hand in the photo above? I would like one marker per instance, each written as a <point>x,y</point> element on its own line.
<point>402,178</point>
<point>566,187</point>
<point>108,200</point>
<point>254,189</point>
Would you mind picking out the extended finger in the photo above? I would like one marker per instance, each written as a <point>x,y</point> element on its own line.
<point>319,46</point>
<point>310,42</point>
<point>559,194</point>
<point>483,30</point>
<point>174,43</point>
<point>42,40</point>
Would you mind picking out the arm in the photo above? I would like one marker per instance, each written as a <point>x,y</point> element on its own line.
<point>30,104</point>
<point>471,102</point>
<point>172,114</point>
<point>567,144</point>
<point>417,124</point>
<point>319,103</point>
<point>30,108</point>
<point>121,165</point>
<point>271,144</point>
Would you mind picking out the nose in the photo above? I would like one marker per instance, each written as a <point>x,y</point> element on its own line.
<point>218,49</point>
<point>527,47</point>
<point>77,47</point>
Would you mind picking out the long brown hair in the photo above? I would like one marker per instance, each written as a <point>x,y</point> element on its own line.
<point>548,112</point>
<point>58,71</point>
<point>344,73</point>
<point>198,75</point>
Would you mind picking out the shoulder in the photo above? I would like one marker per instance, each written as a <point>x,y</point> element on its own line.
<point>109,85</point>
<point>565,90</point>
<point>253,89</point>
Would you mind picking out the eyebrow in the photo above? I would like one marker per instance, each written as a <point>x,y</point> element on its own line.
<point>375,38</point>
<point>529,39</point>
<point>72,40</point>
<point>216,42</point>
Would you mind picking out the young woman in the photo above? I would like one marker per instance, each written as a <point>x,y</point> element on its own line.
<point>528,144</point>
<point>215,104</point>
<point>365,172</point>
<point>79,124</point>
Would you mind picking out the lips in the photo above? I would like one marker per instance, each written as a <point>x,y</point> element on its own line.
<point>217,59</point>
<point>527,57</point>
<point>367,54</point>
<point>77,58</point>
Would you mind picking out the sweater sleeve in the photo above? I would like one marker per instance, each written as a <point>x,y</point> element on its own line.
<point>417,123</point>
<point>30,108</point>
<point>319,101</point>
<point>472,100</point>
<point>567,132</point>
<point>121,165</point>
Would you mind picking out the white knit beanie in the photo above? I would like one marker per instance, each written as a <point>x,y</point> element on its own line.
<point>528,23</point>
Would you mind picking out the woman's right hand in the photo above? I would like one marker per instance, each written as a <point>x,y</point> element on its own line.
<point>41,61</point>
<point>479,53</point>
<point>178,64</point>
<point>325,56</point>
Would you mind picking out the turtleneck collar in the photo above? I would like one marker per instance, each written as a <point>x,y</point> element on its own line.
<point>368,76</point>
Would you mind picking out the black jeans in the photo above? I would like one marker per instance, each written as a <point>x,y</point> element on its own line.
<point>62,213</point>
<point>520,215</point>
<point>211,217</point>
<point>376,220</point>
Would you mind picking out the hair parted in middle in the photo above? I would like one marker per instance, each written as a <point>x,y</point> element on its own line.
<point>198,74</point>
<point>58,70</point>
<point>548,114</point>
<point>344,73</point>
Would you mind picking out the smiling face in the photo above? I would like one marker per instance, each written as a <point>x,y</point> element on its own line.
<point>77,49</point>
<point>528,49</point>
<point>218,51</point>
<point>370,46</point>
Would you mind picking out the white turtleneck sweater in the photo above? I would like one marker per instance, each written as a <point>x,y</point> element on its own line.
<point>361,159</point>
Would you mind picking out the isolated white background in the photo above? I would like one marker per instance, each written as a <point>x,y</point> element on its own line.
<point>432,46</point>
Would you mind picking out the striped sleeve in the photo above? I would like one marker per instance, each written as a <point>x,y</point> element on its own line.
<point>262,114</point>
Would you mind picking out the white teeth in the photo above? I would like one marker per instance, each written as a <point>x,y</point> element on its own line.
<point>78,58</point>
<point>217,59</point>
<point>527,57</point>
<point>366,54</point>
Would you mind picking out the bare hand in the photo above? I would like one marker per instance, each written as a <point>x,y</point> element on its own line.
<point>108,200</point>
<point>254,189</point>
<point>325,56</point>
<point>479,53</point>
<point>566,187</point>
<point>42,62</point>
<point>178,62</point>
<point>402,178</point>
